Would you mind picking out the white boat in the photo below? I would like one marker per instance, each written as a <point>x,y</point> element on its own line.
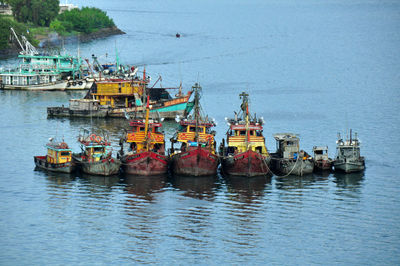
<point>348,157</point>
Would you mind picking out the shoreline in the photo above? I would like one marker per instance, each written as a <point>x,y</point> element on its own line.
<point>54,40</point>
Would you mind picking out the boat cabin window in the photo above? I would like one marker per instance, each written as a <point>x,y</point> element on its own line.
<point>251,132</point>
<point>141,128</point>
<point>290,143</point>
<point>348,152</point>
<point>192,129</point>
<point>64,153</point>
<point>258,133</point>
<point>319,152</point>
<point>242,132</point>
<point>98,149</point>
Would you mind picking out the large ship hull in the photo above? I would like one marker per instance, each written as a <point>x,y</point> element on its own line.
<point>292,167</point>
<point>40,162</point>
<point>105,167</point>
<point>349,167</point>
<point>249,163</point>
<point>144,163</point>
<point>195,162</point>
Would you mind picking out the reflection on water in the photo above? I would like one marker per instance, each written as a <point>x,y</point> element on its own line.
<point>350,181</point>
<point>299,182</point>
<point>202,187</point>
<point>100,181</point>
<point>144,187</point>
<point>245,189</point>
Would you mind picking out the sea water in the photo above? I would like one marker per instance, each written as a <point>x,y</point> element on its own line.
<point>313,68</point>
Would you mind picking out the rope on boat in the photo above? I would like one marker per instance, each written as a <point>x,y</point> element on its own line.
<point>289,171</point>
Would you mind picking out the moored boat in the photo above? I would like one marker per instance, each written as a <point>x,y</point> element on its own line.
<point>322,162</point>
<point>118,97</point>
<point>348,158</point>
<point>289,159</point>
<point>58,158</point>
<point>196,156</point>
<point>146,151</point>
<point>96,158</point>
<point>42,71</point>
<point>245,153</point>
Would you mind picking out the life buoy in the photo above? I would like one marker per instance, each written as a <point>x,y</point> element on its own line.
<point>80,83</point>
<point>63,145</point>
<point>98,139</point>
<point>93,137</point>
<point>68,84</point>
<point>74,83</point>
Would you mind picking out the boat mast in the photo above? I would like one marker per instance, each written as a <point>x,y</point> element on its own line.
<point>196,87</point>
<point>146,127</point>
<point>116,57</point>
<point>245,108</point>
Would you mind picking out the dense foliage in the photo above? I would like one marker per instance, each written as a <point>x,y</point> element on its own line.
<point>86,20</point>
<point>38,12</point>
<point>5,33</point>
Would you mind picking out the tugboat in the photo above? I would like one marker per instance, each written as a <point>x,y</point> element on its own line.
<point>196,156</point>
<point>348,157</point>
<point>289,159</point>
<point>58,158</point>
<point>146,152</point>
<point>246,153</point>
<point>94,158</point>
<point>322,162</point>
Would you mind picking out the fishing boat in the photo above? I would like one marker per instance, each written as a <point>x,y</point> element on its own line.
<point>289,159</point>
<point>348,158</point>
<point>121,97</point>
<point>43,71</point>
<point>146,151</point>
<point>322,162</point>
<point>245,153</point>
<point>96,158</point>
<point>197,155</point>
<point>58,158</point>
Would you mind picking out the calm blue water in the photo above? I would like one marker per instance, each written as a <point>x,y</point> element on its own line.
<point>311,67</point>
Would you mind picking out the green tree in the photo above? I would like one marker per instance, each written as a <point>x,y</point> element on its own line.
<point>44,11</point>
<point>20,29</point>
<point>86,20</point>
<point>4,32</point>
<point>39,12</point>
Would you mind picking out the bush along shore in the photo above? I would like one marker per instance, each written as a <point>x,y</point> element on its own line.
<point>84,24</point>
<point>55,39</point>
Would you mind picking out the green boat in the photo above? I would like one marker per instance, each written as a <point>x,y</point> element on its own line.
<point>43,71</point>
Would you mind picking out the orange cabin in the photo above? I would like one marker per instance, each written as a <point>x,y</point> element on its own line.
<point>138,138</point>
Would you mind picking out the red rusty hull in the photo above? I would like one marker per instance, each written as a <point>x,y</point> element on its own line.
<point>323,165</point>
<point>145,163</point>
<point>196,162</point>
<point>249,163</point>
